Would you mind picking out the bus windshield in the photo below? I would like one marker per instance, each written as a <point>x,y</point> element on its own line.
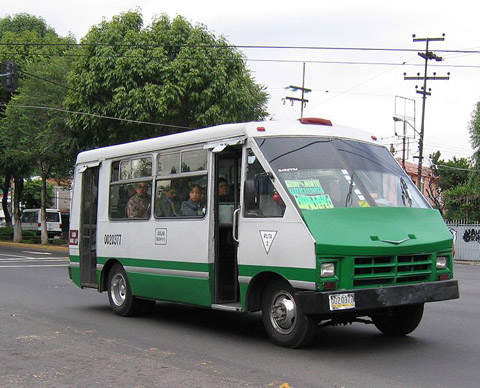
<point>337,173</point>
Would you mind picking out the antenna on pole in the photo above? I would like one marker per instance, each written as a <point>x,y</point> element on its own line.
<point>427,55</point>
<point>303,89</point>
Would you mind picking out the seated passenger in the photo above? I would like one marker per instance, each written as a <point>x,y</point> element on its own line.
<point>167,205</point>
<point>194,206</point>
<point>138,206</point>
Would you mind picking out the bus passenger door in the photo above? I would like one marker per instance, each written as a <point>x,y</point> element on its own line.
<point>88,224</point>
<point>227,193</point>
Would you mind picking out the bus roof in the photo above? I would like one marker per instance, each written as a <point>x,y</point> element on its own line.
<point>228,131</point>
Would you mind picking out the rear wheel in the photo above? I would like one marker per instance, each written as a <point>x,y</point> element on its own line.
<point>120,296</point>
<point>285,323</point>
<point>399,321</point>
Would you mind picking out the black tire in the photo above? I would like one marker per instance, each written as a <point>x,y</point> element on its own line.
<point>120,296</point>
<point>285,323</point>
<point>399,321</point>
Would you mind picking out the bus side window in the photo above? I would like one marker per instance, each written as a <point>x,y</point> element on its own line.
<point>130,197</point>
<point>173,197</point>
<point>261,198</point>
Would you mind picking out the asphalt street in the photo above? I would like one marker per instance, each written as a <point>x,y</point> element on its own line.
<point>54,334</point>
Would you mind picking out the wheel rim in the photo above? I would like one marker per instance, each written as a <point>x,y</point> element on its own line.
<point>118,289</point>
<point>283,312</point>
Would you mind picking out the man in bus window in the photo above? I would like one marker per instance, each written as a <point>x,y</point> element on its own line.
<point>138,206</point>
<point>167,205</point>
<point>224,193</point>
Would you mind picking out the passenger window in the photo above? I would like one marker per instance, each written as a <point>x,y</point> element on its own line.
<point>260,197</point>
<point>195,160</point>
<point>181,192</point>
<point>168,164</point>
<point>130,197</point>
<point>181,197</point>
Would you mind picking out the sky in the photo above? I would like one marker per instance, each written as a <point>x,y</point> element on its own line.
<point>366,95</point>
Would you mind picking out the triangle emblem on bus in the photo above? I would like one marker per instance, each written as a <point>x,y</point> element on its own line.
<point>267,238</point>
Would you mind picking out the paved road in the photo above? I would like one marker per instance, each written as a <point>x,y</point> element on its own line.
<point>52,334</point>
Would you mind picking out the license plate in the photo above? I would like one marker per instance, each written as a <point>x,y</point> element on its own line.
<point>342,301</point>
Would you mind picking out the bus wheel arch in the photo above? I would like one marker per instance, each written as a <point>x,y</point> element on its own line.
<point>284,321</point>
<point>256,287</point>
<point>120,296</point>
<point>103,284</point>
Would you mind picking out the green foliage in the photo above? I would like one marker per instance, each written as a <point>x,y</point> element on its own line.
<point>36,138</point>
<point>462,203</point>
<point>24,28</point>
<point>170,73</point>
<point>474,130</point>
<point>6,234</point>
<point>450,173</point>
<point>21,22</point>
<point>31,194</point>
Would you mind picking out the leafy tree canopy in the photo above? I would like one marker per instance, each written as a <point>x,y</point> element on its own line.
<point>462,203</point>
<point>25,39</point>
<point>475,142</point>
<point>31,195</point>
<point>169,73</point>
<point>450,173</point>
<point>37,138</point>
<point>22,22</point>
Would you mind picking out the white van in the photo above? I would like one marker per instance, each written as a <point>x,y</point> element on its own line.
<point>31,220</point>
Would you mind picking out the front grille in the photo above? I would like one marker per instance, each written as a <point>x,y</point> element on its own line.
<point>390,270</point>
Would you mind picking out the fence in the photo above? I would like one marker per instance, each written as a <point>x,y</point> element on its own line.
<point>467,240</point>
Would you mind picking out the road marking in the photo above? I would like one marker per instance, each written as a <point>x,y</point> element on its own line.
<point>25,258</point>
<point>8,255</point>
<point>36,253</point>
<point>34,266</point>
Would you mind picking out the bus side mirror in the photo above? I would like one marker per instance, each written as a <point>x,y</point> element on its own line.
<point>250,195</point>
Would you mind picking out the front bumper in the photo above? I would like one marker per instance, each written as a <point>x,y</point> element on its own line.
<point>317,302</point>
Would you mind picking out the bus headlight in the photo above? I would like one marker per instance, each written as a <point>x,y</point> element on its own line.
<point>327,270</point>
<point>442,262</point>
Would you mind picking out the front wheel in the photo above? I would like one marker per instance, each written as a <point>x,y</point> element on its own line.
<point>120,296</point>
<point>285,323</point>
<point>399,321</point>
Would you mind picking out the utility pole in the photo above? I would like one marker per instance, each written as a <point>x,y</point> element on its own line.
<point>304,90</point>
<point>427,55</point>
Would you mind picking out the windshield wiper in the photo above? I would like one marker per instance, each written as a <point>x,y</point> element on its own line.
<point>349,195</point>
<point>406,196</point>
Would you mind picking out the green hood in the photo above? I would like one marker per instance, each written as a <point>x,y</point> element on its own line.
<point>377,231</point>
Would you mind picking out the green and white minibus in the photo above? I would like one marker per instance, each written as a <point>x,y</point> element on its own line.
<point>312,224</point>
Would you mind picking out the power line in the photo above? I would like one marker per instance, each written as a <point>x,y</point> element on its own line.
<point>230,46</point>
<point>92,115</point>
<point>49,81</point>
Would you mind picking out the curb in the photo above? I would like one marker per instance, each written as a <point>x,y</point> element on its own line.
<point>35,246</point>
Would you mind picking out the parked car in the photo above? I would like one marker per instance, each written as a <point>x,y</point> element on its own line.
<point>31,220</point>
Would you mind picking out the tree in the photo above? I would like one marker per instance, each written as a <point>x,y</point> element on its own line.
<point>450,173</point>
<point>474,130</point>
<point>36,139</point>
<point>460,178</point>
<point>170,73</point>
<point>25,39</point>
<point>32,194</point>
<point>462,203</point>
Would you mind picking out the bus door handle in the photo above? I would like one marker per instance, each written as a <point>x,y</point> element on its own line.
<point>234,226</point>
